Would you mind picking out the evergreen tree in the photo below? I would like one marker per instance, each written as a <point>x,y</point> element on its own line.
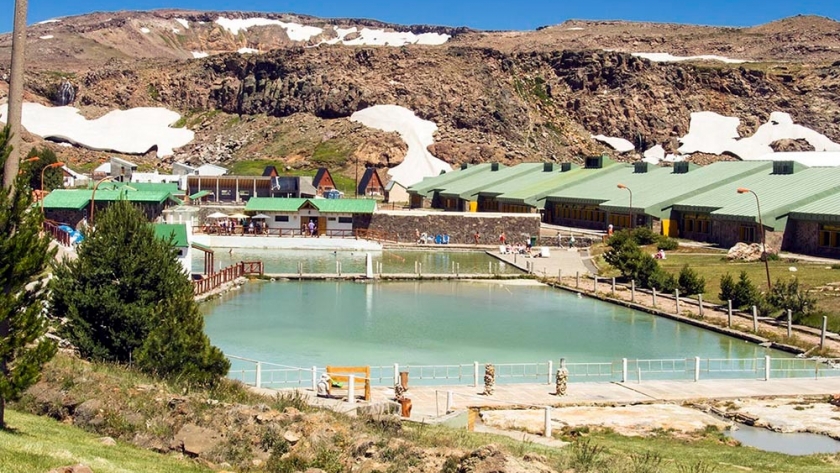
<point>127,298</point>
<point>727,288</point>
<point>691,283</point>
<point>53,177</point>
<point>787,295</point>
<point>24,256</point>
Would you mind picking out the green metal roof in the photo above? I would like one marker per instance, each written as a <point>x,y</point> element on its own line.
<point>531,191</point>
<point>779,194</point>
<point>528,178</point>
<point>291,205</point>
<point>76,199</point>
<point>826,209</point>
<point>179,230</point>
<point>67,199</point>
<point>430,184</point>
<point>274,204</point>
<point>655,192</point>
<point>345,206</point>
<point>469,187</point>
<point>170,187</point>
<point>200,194</point>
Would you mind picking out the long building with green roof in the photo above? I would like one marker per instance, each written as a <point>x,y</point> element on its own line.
<point>462,195</point>
<point>425,192</point>
<point>71,206</point>
<point>814,228</point>
<point>734,217</point>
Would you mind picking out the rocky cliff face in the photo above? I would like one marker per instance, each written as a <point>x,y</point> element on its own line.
<point>491,97</point>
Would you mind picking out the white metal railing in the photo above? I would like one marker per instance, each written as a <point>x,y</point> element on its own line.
<point>265,374</point>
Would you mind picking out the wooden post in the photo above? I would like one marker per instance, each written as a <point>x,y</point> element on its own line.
<point>315,378</point>
<point>550,370</point>
<point>755,318</point>
<point>633,290</point>
<point>653,294</point>
<point>258,376</point>
<point>789,322</point>
<point>475,373</point>
<point>351,389</point>
<point>547,421</point>
<point>729,313</point>
<point>595,284</point>
<point>822,335</point>
<point>767,368</point>
<point>700,303</point>
<point>450,401</point>
<point>613,286</point>
<point>577,280</point>
<point>677,298</point>
<point>696,369</point>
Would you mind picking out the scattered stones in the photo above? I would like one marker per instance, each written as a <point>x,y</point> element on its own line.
<point>107,441</point>
<point>88,412</point>
<point>291,437</point>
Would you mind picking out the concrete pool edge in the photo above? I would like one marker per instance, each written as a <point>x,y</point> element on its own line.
<point>752,338</point>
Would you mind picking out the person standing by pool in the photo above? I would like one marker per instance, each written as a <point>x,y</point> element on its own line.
<point>311,228</point>
<point>502,238</point>
<point>477,237</point>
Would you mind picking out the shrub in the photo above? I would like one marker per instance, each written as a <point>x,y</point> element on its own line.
<point>690,282</point>
<point>645,236</point>
<point>727,287</point>
<point>745,293</point>
<point>667,243</point>
<point>789,296</point>
<point>662,281</point>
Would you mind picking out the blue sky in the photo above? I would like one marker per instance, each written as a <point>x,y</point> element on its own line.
<point>479,14</point>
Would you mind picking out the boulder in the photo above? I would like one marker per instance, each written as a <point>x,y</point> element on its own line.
<point>196,440</point>
<point>379,409</point>
<point>745,252</point>
<point>107,441</point>
<point>88,412</point>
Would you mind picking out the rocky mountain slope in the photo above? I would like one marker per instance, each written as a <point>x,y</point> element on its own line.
<point>277,90</point>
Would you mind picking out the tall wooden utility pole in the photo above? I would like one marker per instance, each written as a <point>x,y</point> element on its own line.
<point>13,117</point>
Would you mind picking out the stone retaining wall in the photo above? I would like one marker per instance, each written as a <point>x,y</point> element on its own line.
<point>460,226</point>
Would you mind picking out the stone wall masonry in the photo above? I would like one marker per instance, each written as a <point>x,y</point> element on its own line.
<point>460,226</point>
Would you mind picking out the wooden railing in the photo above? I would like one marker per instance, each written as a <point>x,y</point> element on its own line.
<point>213,281</point>
<point>58,234</point>
<point>376,235</point>
<point>276,232</point>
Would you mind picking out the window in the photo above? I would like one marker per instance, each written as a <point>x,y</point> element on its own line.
<point>830,236</point>
<point>331,219</point>
<point>345,219</point>
<point>747,233</point>
<point>281,218</point>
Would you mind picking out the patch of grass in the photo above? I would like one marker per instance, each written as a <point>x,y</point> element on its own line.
<point>331,153</point>
<point>153,91</point>
<point>41,444</point>
<point>810,275</point>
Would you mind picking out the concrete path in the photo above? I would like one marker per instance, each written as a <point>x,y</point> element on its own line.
<point>430,402</point>
<point>569,261</point>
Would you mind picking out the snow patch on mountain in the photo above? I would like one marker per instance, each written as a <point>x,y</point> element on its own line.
<point>667,57</point>
<point>713,133</point>
<point>416,132</point>
<point>619,144</point>
<point>133,131</point>
<point>295,31</point>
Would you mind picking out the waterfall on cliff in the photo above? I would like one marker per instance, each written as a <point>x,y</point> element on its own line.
<point>65,95</point>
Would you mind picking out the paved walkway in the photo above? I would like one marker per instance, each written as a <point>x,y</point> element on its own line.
<point>429,402</point>
<point>569,261</point>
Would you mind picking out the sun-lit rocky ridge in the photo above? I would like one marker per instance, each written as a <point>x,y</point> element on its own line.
<point>283,86</point>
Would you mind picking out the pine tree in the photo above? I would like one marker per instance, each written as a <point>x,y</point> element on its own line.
<point>127,298</point>
<point>24,256</point>
<point>53,177</point>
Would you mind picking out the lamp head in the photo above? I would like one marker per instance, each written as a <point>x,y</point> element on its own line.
<point>742,190</point>
<point>621,186</point>
<point>55,165</point>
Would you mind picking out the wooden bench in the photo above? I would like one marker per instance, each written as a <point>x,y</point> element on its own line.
<point>342,375</point>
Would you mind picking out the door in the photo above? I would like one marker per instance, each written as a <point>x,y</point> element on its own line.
<point>322,225</point>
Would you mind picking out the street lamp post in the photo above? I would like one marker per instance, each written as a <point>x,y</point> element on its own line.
<point>29,160</point>
<point>744,190</point>
<point>93,194</point>
<point>43,170</point>
<point>622,186</point>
